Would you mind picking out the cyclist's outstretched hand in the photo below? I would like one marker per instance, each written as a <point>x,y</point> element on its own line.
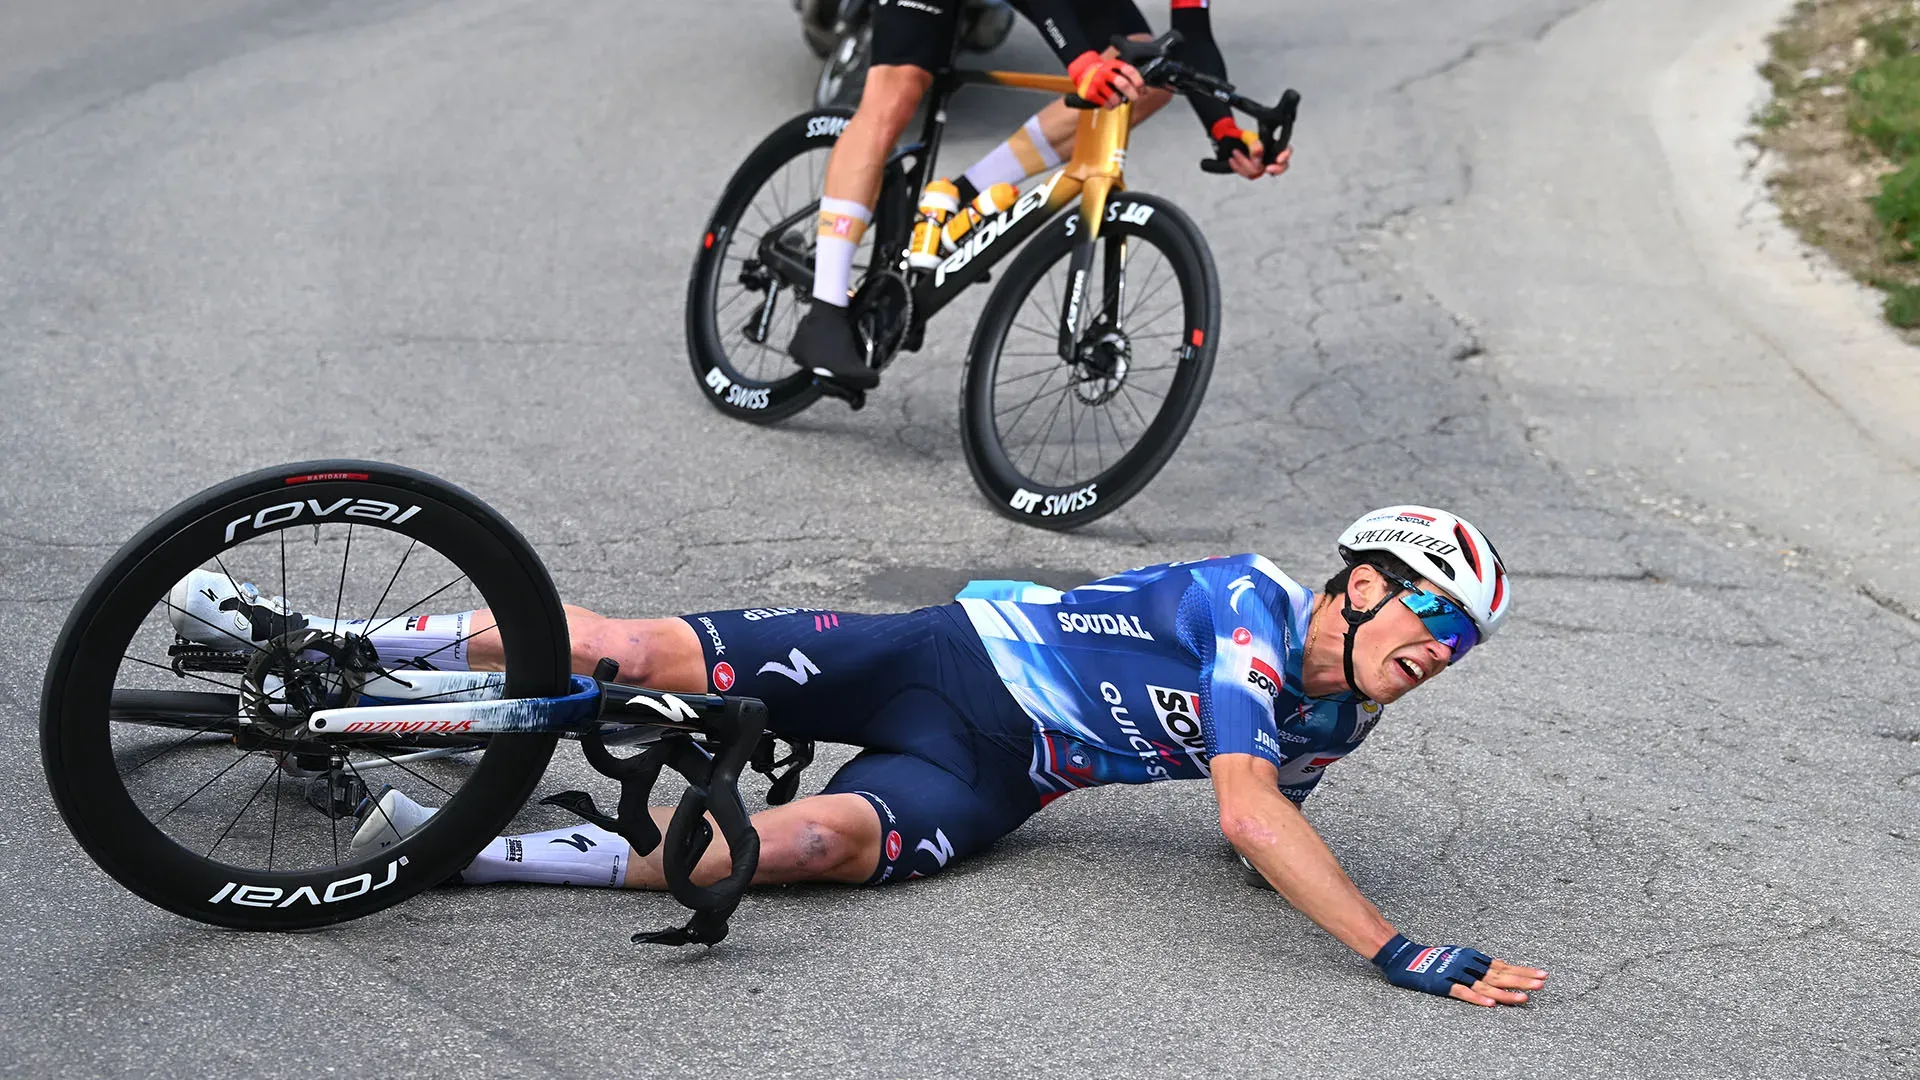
<point>1242,151</point>
<point>1456,971</point>
<point>1104,80</point>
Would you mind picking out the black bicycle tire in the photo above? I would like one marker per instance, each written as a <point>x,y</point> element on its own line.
<point>705,347</point>
<point>77,756</point>
<point>1181,242</point>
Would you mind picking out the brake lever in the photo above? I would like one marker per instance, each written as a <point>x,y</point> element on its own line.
<point>1275,130</point>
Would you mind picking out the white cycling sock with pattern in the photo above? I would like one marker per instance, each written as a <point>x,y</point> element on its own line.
<point>583,854</point>
<point>436,641</point>
<point>842,223</point>
<point>1021,156</point>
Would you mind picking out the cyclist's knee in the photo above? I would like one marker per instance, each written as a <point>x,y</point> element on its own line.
<point>659,653</point>
<point>893,94</point>
<point>822,838</point>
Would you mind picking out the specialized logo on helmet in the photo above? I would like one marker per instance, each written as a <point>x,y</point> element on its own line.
<point>1405,536</point>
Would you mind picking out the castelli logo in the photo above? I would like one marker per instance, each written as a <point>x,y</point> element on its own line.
<point>1241,635</point>
<point>893,845</point>
<point>723,676</point>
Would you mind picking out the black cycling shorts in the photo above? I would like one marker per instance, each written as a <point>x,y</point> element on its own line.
<point>946,748</point>
<point>920,33</point>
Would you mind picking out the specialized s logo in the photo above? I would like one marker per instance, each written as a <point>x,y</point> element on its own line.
<point>941,853</point>
<point>1241,585</point>
<point>1261,674</point>
<point>797,667</point>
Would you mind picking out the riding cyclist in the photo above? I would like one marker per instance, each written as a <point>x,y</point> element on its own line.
<point>975,714</point>
<point>913,38</point>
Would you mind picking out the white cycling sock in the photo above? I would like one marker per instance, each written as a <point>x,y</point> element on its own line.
<point>439,641</point>
<point>842,223</point>
<point>583,854</point>
<point>1021,156</point>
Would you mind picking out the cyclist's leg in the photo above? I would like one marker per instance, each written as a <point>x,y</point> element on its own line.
<point>910,41</point>
<point>663,654</point>
<point>1102,21</point>
<point>884,816</point>
<point>827,837</point>
<point>1046,139</point>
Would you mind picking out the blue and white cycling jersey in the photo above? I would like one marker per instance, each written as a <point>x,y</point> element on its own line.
<point>1145,675</point>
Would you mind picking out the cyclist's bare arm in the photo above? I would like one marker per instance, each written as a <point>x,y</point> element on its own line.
<point>1274,835</point>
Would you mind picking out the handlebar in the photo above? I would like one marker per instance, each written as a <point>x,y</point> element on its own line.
<point>1157,68</point>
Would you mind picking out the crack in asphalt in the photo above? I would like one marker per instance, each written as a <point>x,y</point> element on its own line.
<point>1890,604</point>
<point>1474,49</point>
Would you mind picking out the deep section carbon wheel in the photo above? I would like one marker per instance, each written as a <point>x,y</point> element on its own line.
<point>173,715</point>
<point>1059,441</point>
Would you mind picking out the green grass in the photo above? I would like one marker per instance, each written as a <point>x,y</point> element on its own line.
<point>1902,306</point>
<point>1886,106</point>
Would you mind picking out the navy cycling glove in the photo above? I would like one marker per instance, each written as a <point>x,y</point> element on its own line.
<point>1430,968</point>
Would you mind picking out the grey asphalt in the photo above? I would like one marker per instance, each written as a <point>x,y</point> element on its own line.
<point>1508,276</point>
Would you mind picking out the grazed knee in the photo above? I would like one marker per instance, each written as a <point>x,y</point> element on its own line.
<point>817,848</point>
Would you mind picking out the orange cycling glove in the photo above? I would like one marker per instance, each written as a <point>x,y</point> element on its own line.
<point>1093,76</point>
<point>1228,137</point>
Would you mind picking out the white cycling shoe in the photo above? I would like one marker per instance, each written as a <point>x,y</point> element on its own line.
<point>385,820</point>
<point>208,608</point>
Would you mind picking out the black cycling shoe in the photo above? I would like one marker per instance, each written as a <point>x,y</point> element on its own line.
<point>826,345</point>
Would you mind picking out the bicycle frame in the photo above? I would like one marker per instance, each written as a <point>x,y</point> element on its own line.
<point>1092,174</point>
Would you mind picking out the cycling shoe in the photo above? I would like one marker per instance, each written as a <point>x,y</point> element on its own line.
<point>826,345</point>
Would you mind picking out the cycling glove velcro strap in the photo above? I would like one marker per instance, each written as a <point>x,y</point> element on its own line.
<point>1432,969</point>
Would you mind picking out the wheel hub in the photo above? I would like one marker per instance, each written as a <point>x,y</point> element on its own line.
<point>1100,368</point>
<point>300,673</point>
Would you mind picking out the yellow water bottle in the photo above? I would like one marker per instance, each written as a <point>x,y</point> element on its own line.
<point>996,199</point>
<point>939,200</point>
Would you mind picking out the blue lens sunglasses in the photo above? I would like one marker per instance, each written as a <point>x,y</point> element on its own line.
<point>1449,625</point>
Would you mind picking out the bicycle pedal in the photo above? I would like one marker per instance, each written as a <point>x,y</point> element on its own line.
<point>855,399</point>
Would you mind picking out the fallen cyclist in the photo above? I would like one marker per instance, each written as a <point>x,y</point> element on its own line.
<point>973,715</point>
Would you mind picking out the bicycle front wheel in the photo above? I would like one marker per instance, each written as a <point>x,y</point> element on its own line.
<point>173,715</point>
<point>1057,442</point>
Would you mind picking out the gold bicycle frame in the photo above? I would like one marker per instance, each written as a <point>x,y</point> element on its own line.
<point>1095,168</point>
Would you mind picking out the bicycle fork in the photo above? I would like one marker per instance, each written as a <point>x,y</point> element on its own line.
<point>1100,153</point>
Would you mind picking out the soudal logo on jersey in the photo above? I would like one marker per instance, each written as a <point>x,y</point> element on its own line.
<point>1261,674</point>
<point>1179,714</point>
<point>1103,623</point>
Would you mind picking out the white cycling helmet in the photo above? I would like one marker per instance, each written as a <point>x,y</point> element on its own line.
<point>1446,550</point>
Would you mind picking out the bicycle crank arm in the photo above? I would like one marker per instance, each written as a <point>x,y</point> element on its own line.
<point>575,711</point>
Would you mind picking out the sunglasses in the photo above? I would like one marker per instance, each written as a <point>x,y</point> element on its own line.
<point>1449,625</point>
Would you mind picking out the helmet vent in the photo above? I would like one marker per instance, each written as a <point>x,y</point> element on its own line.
<point>1441,563</point>
<point>1469,551</point>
